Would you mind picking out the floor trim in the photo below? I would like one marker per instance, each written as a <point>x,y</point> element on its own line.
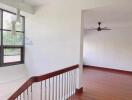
<point>108,69</point>
<point>79,91</point>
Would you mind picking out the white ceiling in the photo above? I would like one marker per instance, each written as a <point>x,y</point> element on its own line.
<point>111,16</point>
<point>35,2</point>
<point>30,4</point>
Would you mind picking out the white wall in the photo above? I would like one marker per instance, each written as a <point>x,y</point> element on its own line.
<point>11,77</point>
<point>55,33</point>
<point>55,40</point>
<point>112,49</point>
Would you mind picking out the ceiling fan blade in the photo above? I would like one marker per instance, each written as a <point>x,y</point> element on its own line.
<point>106,28</point>
<point>99,28</point>
<point>92,29</point>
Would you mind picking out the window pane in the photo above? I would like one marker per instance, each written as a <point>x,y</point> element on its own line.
<point>12,39</point>
<point>7,21</point>
<point>12,55</point>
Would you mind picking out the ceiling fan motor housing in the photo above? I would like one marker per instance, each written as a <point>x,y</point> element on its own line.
<point>99,29</point>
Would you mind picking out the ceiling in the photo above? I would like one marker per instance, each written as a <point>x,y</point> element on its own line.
<point>111,16</point>
<point>35,2</point>
<point>31,4</point>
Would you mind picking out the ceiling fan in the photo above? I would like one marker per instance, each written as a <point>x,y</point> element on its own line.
<point>99,28</point>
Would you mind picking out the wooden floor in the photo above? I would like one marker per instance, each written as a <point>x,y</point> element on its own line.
<point>104,85</point>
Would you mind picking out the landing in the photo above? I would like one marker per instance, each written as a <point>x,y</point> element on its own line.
<point>104,85</point>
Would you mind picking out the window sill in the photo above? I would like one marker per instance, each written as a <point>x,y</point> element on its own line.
<point>11,63</point>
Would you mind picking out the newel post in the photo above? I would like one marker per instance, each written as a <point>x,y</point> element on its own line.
<point>80,69</point>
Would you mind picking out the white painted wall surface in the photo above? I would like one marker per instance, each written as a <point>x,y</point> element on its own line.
<point>110,49</point>
<point>55,32</point>
<point>11,78</point>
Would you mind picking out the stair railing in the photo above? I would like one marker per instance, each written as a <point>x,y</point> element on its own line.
<point>57,85</point>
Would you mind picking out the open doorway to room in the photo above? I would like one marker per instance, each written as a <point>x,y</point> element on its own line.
<point>110,46</point>
<point>106,51</point>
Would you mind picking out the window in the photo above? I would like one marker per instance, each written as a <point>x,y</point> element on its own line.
<point>11,45</point>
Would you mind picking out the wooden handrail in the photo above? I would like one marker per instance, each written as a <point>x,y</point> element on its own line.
<point>40,78</point>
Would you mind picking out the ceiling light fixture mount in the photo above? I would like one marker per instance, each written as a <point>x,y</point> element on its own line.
<point>18,17</point>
